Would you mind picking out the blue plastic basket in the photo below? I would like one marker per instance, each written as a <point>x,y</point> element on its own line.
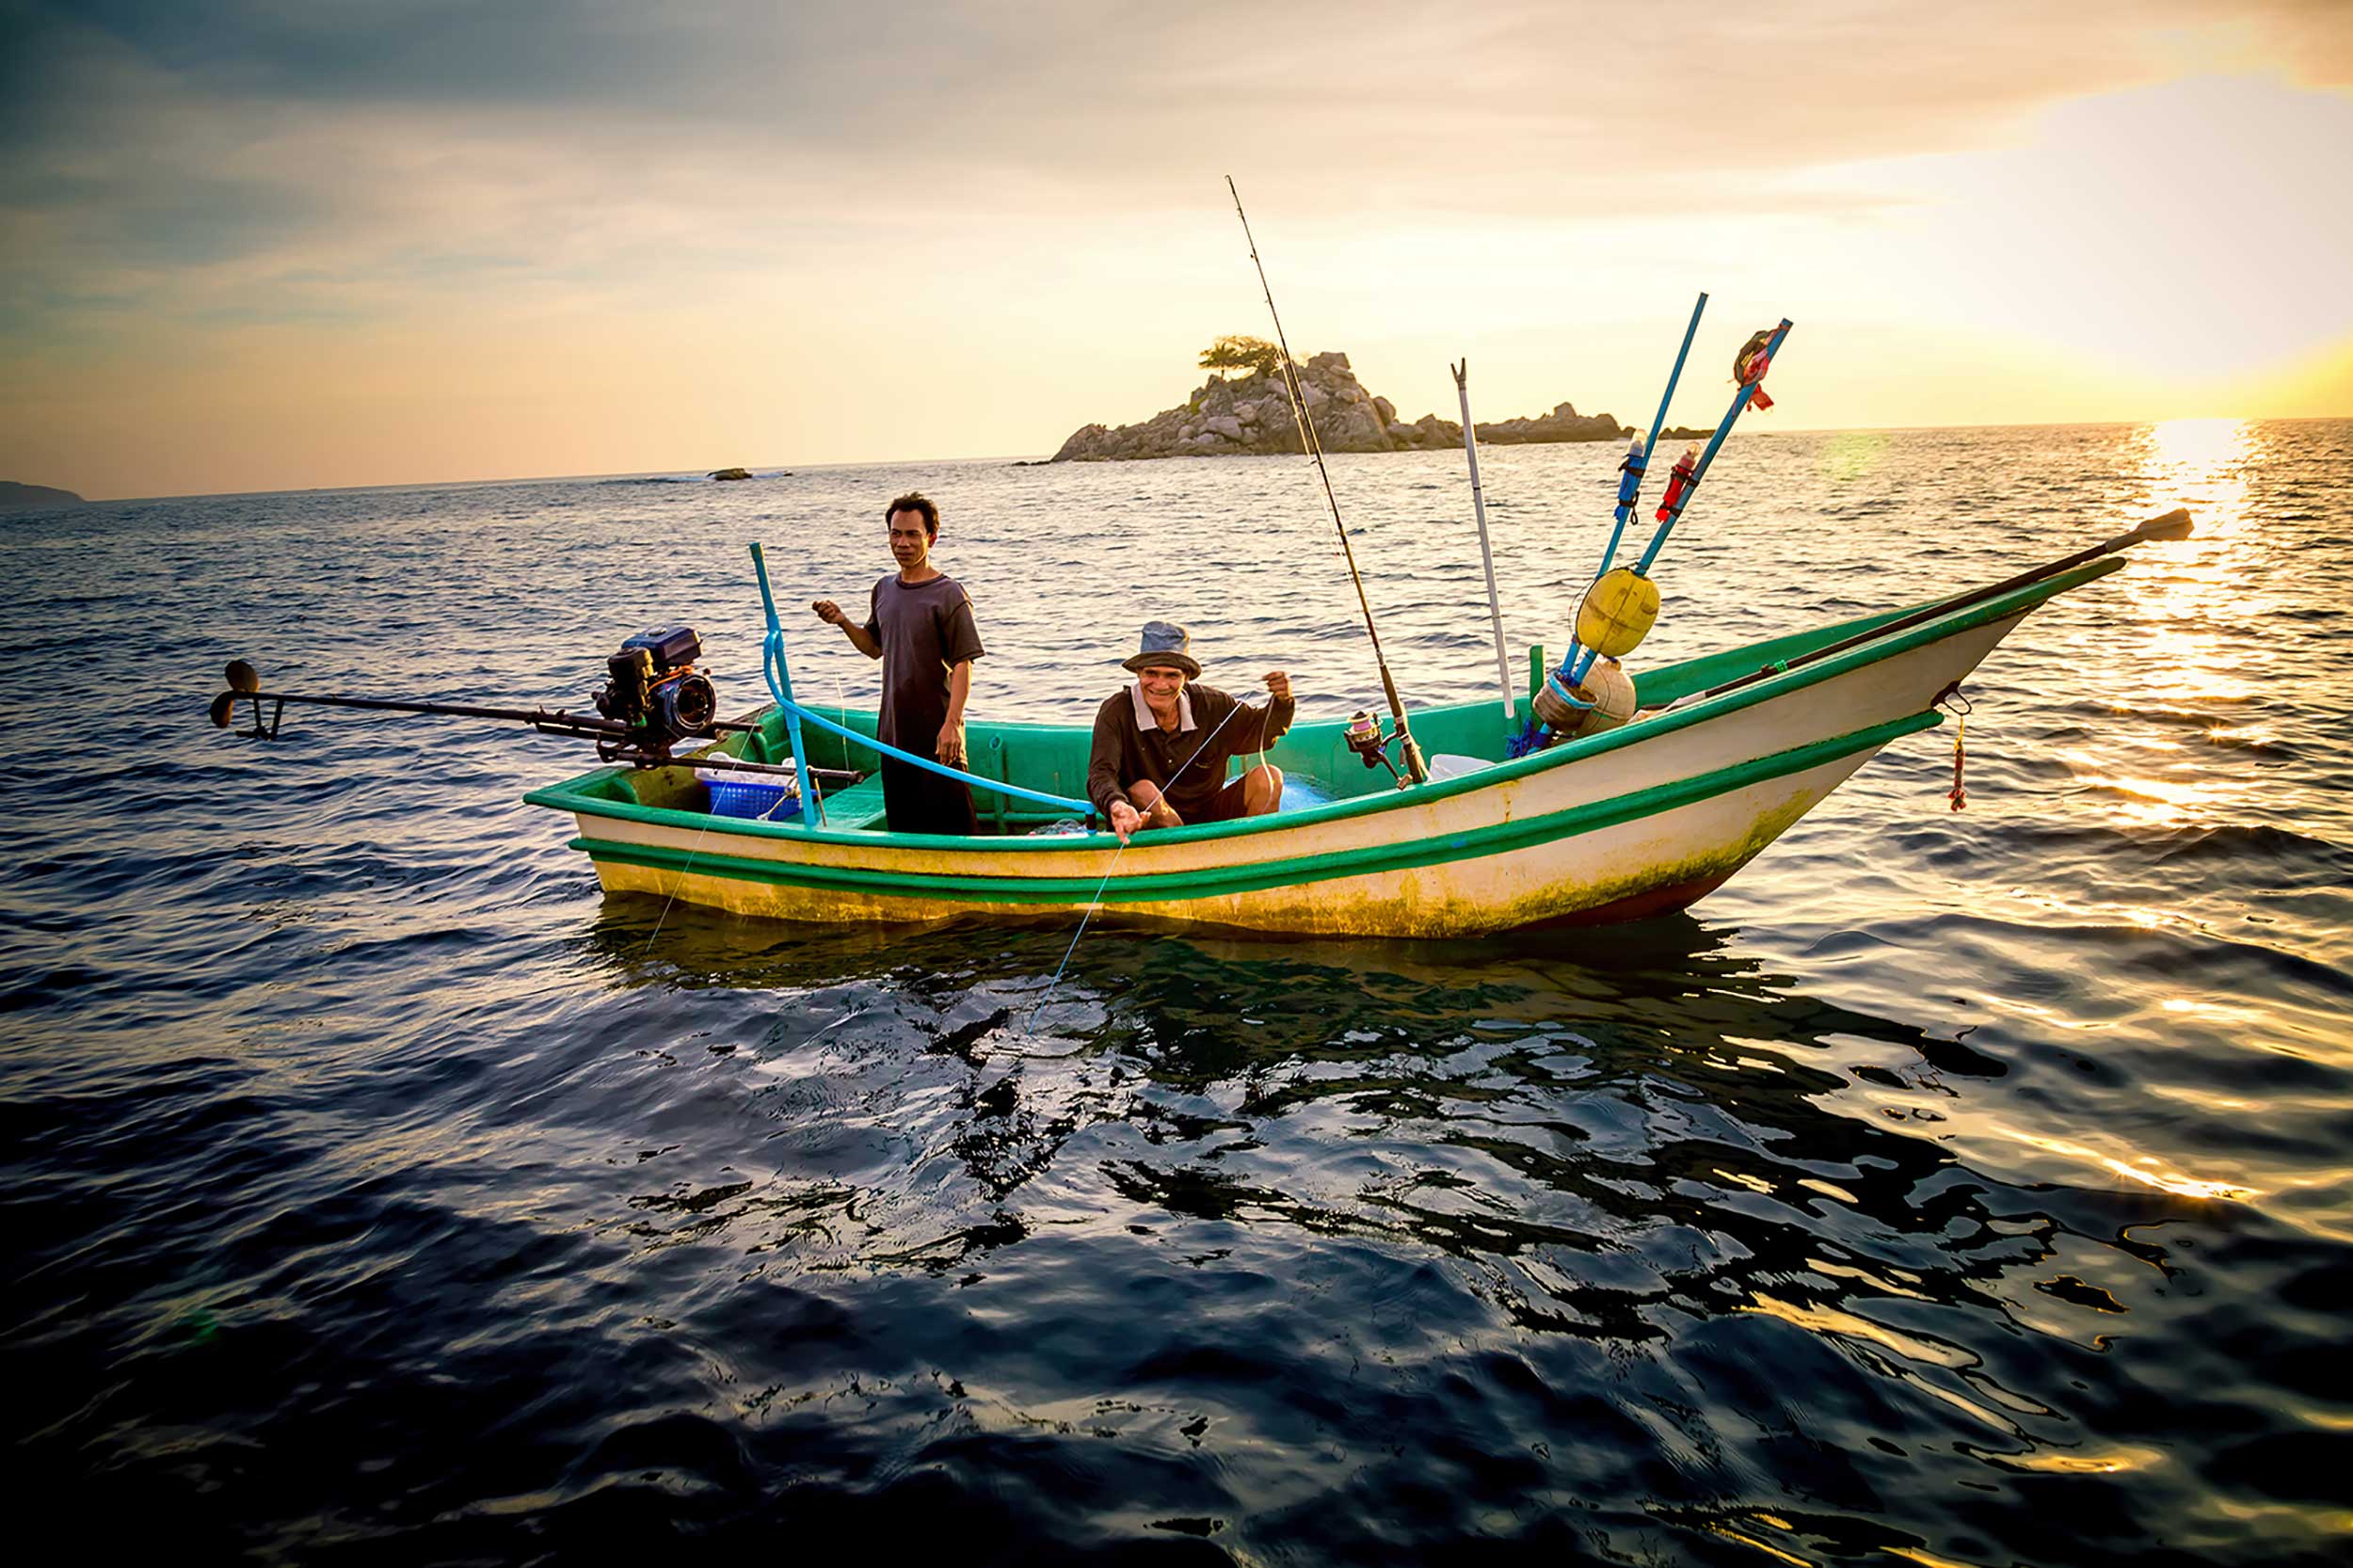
<point>778,801</point>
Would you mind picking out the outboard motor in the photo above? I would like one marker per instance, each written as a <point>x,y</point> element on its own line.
<point>656,688</point>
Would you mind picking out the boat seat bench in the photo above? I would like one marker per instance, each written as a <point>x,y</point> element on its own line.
<point>859,806</point>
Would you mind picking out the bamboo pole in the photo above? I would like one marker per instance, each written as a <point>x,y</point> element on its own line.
<point>1486,553</point>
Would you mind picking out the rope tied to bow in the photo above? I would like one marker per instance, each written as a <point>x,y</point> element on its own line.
<point>1960,707</point>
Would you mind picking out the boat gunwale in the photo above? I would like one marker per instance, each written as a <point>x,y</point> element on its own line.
<point>1257,874</point>
<point>572,794</point>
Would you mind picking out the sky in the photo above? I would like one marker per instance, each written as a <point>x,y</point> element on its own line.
<point>279,243</point>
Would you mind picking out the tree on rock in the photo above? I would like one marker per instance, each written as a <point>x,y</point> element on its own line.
<point>1254,355</point>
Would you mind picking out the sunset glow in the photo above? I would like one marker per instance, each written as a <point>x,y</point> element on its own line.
<point>380,244</point>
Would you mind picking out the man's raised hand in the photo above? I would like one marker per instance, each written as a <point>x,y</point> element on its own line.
<point>1278,685</point>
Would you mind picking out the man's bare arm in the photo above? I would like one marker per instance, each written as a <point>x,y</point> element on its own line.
<point>830,613</point>
<point>951,732</point>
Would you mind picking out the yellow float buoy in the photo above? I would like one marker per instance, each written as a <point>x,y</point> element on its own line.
<point>1618,612</point>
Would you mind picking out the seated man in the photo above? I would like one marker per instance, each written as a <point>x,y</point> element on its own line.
<point>1161,746</point>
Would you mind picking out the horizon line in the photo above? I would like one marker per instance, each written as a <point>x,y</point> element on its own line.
<point>686,475</point>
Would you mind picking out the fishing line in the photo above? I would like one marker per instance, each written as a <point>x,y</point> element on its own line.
<point>1028,1025</point>
<point>693,850</point>
<point>1202,747</point>
<point>839,1021</point>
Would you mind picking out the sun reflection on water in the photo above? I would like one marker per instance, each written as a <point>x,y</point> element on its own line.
<point>2144,1168</point>
<point>2201,446</point>
<point>2193,614</point>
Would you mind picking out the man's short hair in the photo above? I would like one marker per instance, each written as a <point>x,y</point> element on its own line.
<point>915,500</point>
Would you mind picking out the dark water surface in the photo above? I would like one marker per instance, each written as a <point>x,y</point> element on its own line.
<point>1952,1188</point>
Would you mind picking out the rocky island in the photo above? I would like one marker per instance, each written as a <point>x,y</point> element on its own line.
<point>16,497</point>
<point>1251,413</point>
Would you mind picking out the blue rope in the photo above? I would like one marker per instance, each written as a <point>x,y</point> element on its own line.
<point>975,780</point>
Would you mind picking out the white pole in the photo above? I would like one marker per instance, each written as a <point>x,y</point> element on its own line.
<point>1487,554</point>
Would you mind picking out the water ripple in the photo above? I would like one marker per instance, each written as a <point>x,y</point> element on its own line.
<point>1960,1187</point>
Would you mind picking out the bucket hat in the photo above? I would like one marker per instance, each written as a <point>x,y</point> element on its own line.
<point>1164,643</point>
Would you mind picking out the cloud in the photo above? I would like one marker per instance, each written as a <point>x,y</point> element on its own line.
<point>486,119</point>
<point>169,169</point>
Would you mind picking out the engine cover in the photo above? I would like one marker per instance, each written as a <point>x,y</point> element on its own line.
<point>672,646</point>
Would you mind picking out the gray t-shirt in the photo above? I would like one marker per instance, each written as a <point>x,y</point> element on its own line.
<point>925,629</point>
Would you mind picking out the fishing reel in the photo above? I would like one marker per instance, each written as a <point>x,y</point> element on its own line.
<point>656,690</point>
<point>1371,747</point>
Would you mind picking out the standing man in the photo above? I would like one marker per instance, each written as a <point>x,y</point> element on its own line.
<point>1161,746</point>
<point>918,623</point>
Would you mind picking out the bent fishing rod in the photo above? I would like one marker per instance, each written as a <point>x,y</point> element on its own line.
<point>1417,770</point>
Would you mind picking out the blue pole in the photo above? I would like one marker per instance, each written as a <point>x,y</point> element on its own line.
<point>780,688</point>
<point>1628,491</point>
<point>1731,416</point>
<point>780,677</point>
<point>1658,539</point>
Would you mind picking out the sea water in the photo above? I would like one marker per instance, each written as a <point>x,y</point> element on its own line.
<point>1965,1188</point>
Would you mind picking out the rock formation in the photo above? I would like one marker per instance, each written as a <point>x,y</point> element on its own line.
<point>1252,414</point>
<point>731,474</point>
<point>15,497</point>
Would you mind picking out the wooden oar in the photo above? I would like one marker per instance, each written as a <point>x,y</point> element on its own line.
<point>2175,524</point>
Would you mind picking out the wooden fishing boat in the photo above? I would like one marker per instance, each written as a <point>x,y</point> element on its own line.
<point>1729,750</point>
<point>1557,818</point>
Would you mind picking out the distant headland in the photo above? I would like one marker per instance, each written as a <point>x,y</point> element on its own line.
<point>34,498</point>
<point>1249,413</point>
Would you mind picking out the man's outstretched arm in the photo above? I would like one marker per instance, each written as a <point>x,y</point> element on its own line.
<point>861,638</point>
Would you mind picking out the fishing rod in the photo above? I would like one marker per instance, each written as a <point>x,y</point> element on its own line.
<point>1486,556</point>
<point>1638,598</point>
<point>649,707</point>
<point>1622,606</point>
<point>1630,472</point>
<point>1751,393</point>
<point>1638,464</point>
<point>2175,524</point>
<point>1415,766</point>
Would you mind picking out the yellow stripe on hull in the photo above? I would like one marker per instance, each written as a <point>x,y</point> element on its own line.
<point>1695,846</point>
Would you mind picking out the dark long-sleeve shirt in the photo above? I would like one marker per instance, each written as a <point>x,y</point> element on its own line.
<point>1130,746</point>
